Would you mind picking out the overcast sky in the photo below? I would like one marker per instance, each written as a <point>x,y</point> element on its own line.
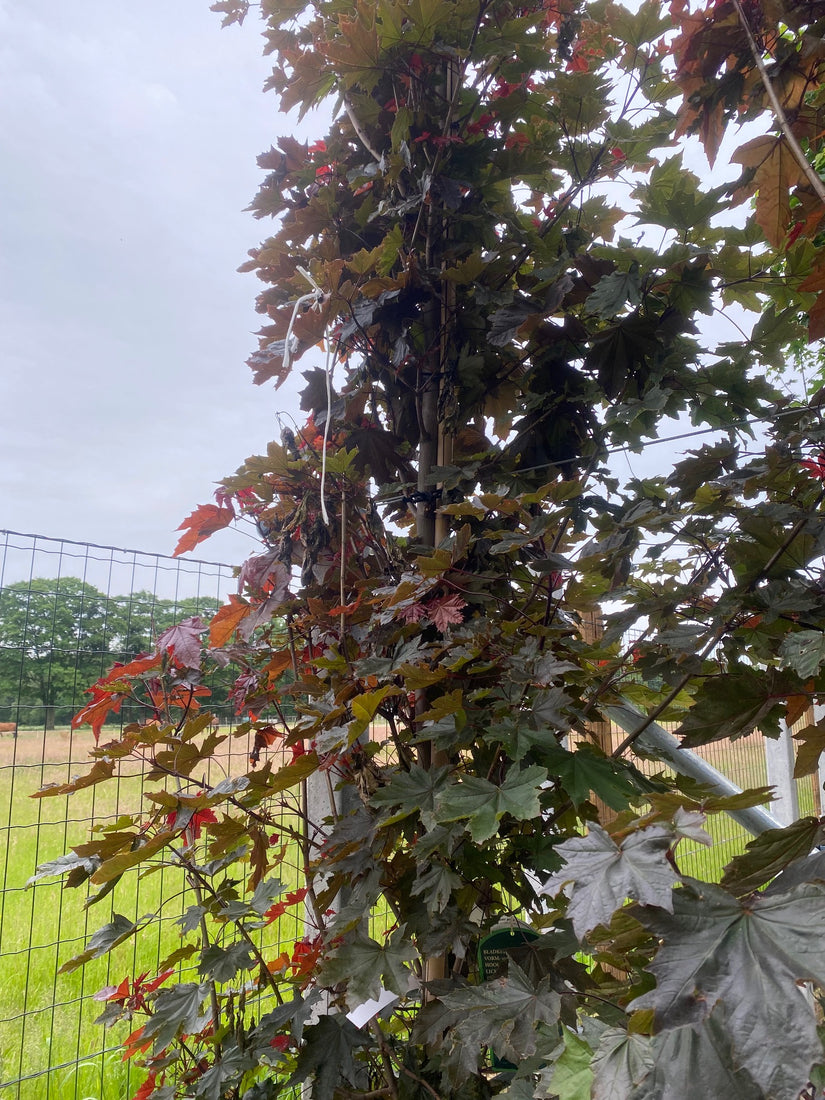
<point>128,138</point>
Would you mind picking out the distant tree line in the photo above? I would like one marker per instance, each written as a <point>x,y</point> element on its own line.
<point>57,636</point>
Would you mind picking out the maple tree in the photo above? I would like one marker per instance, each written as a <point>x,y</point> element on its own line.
<point>502,254</point>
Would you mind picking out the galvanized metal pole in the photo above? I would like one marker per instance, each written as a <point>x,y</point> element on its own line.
<point>779,760</point>
<point>664,745</point>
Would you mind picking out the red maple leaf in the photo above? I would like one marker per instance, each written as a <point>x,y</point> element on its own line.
<point>154,983</point>
<point>267,734</point>
<point>483,125</point>
<point>135,1043</point>
<point>113,992</point>
<point>577,63</point>
<point>200,524</point>
<point>226,619</point>
<point>298,750</point>
<point>346,608</point>
<point>104,702</point>
<point>815,466</point>
<point>447,610</point>
<point>518,141</point>
<point>132,995</point>
<point>504,88</point>
<point>246,685</point>
<point>194,826</point>
<point>305,957</point>
<point>413,613</point>
<point>264,737</point>
<point>280,907</point>
<point>264,573</point>
<point>142,663</point>
<point>147,1088</point>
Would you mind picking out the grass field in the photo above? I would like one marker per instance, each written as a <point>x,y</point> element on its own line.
<point>743,762</point>
<point>50,1049</point>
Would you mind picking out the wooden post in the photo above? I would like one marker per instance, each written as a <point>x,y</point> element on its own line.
<point>601,733</point>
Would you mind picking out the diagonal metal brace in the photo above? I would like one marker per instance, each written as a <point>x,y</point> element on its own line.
<point>658,742</point>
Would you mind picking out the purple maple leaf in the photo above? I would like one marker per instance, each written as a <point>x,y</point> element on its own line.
<point>183,641</point>
<point>264,572</point>
<point>412,613</point>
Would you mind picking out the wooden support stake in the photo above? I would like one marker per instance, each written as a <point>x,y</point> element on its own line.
<point>600,732</point>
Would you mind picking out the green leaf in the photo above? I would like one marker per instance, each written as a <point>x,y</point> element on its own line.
<point>327,1055</point>
<point>733,705</point>
<point>586,768</point>
<point>364,965</point>
<point>503,1014</point>
<point>484,804</point>
<point>438,884</point>
<point>222,964</point>
<point>115,866</point>
<point>750,958</point>
<point>605,874</point>
<point>506,322</point>
<point>620,1064</point>
<point>804,652</point>
<point>99,772</point>
<point>416,791</point>
<point>810,868</point>
<point>364,708</point>
<point>549,709</point>
<point>701,1055</point>
<point>265,893</point>
<point>294,1014</point>
<point>520,1088</point>
<point>191,918</point>
<point>107,937</point>
<point>614,291</point>
<point>294,773</point>
<point>572,1076</point>
<point>72,864</point>
<point>811,747</point>
<point>768,854</point>
<point>689,825</point>
<point>177,1011</point>
<point>645,24</point>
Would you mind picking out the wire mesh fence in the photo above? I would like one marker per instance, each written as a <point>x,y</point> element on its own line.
<point>67,611</point>
<point>743,763</point>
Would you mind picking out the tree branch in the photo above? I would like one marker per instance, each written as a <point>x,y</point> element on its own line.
<point>778,110</point>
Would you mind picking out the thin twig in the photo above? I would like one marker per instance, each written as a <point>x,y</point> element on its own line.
<point>194,880</point>
<point>386,1061</point>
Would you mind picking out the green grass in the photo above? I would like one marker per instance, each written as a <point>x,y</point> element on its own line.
<point>743,762</point>
<point>46,1018</point>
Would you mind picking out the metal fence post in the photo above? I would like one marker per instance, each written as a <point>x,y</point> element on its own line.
<point>817,716</point>
<point>779,759</point>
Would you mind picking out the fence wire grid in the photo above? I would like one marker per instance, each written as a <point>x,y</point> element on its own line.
<point>67,611</point>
